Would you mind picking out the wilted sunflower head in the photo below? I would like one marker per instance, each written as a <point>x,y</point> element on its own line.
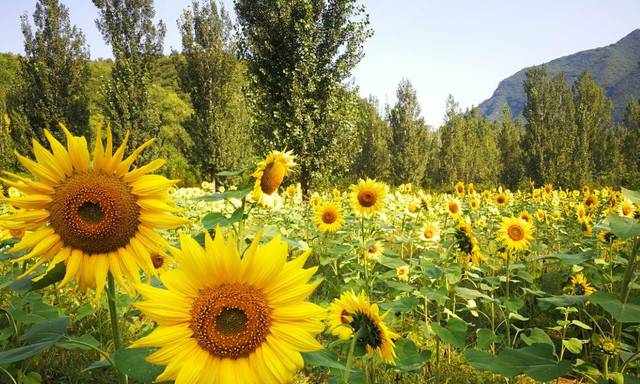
<point>328,216</point>
<point>367,197</point>
<point>270,173</point>
<point>96,215</point>
<point>353,315</point>
<point>515,233</point>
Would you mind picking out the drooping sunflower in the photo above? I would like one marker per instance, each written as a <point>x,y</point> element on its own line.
<point>367,197</point>
<point>515,233</point>
<point>237,319</point>
<point>581,285</point>
<point>467,243</point>
<point>430,232</point>
<point>270,173</point>
<point>98,215</point>
<point>353,314</point>
<point>328,216</point>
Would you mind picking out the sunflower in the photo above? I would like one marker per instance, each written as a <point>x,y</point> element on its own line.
<point>413,205</point>
<point>591,201</point>
<point>402,272</point>
<point>97,216</point>
<point>354,314</point>
<point>459,188</point>
<point>474,202</point>
<point>430,232</point>
<point>626,208</point>
<point>453,207</point>
<point>237,319</point>
<point>471,188</point>
<point>515,233</point>
<point>581,285</point>
<point>373,251</point>
<point>526,216</point>
<point>367,197</point>
<point>501,199</point>
<point>328,216</point>
<point>467,243</point>
<point>270,173</point>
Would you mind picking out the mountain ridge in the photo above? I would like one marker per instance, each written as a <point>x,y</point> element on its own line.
<point>615,67</point>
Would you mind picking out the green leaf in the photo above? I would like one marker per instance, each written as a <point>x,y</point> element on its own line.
<point>83,343</point>
<point>537,336</point>
<point>391,262</point>
<point>323,358</point>
<point>485,361</point>
<point>634,196</point>
<point>624,227</point>
<point>484,338</point>
<point>546,303</point>
<point>570,259</point>
<point>21,353</point>
<point>46,331</point>
<point>131,362</point>
<point>226,195</point>
<point>455,333</point>
<point>213,219</point>
<point>624,313</point>
<point>404,304</point>
<point>228,173</point>
<point>55,275</point>
<point>409,357</point>
<point>573,345</point>
<point>581,324</point>
<point>470,294</point>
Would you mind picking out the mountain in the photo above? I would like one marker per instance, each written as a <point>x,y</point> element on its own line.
<point>615,67</point>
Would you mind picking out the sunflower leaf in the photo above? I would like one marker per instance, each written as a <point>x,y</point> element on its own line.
<point>131,362</point>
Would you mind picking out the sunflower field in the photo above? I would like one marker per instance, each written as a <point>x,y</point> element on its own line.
<point>113,274</point>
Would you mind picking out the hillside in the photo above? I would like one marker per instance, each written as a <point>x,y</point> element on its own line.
<point>615,67</point>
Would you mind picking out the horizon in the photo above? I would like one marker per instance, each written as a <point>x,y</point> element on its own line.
<point>437,59</point>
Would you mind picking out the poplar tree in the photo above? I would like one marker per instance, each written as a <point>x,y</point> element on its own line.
<point>374,159</point>
<point>136,42</point>
<point>215,80</point>
<point>51,86</point>
<point>299,52</point>
<point>511,156</point>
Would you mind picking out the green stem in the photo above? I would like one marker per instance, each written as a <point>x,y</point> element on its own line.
<point>625,289</point>
<point>352,347</point>
<point>9,374</point>
<point>508,293</point>
<point>111,299</point>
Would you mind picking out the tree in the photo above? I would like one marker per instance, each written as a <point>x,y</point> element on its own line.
<point>374,159</point>
<point>215,80</point>
<point>298,53</point>
<point>408,136</point>
<point>630,143</point>
<point>552,147</point>
<point>52,84</point>
<point>511,157</point>
<point>136,43</point>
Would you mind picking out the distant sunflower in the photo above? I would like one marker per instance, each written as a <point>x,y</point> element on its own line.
<point>591,201</point>
<point>328,217</point>
<point>367,197</point>
<point>430,232</point>
<point>581,285</point>
<point>402,272</point>
<point>501,199</point>
<point>374,250</point>
<point>515,233</point>
<point>97,217</point>
<point>354,314</point>
<point>454,208</point>
<point>541,215</point>
<point>626,208</point>
<point>474,202</point>
<point>270,173</point>
<point>237,319</point>
<point>459,188</point>
<point>526,216</point>
<point>471,188</point>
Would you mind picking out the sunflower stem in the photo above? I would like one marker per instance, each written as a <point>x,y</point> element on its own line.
<point>111,300</point>
<point>352,347</point>
<point>508,293</point>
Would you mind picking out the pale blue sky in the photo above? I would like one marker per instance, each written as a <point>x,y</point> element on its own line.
<point>460,47</point>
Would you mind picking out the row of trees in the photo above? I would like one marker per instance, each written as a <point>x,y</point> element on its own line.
<point>277,80</point>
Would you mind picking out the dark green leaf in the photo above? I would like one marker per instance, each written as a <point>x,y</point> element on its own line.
<point>625,313</point>
<point>131,362</point>
<point>409,357</point>
<point>46,331</point>
<point>624,227</point>
<point>55,275</point>
<point>323,358</point>
<point>83,343</point>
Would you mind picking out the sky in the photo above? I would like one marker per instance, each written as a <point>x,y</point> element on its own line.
<point>457,47</point>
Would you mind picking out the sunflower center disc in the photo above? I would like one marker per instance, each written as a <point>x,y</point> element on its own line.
<point>272,177</point>
<point>231,320</point>
<point>366,199</point>
<point>329,217</point>
<point>515,233</point>
<point>453,207</point>
<point>94,212</point>
<point>367,330</point>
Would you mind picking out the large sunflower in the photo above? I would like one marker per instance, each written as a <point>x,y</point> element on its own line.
<point>328,216</point>
<point>230,319</point>
<point>354,314</point>
<point>367,197</point>
<point>97,216</point>
<point>270,173</point>
<point>515,233</point>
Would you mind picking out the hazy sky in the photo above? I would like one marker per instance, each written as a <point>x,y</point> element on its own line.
<point>457,47</point>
